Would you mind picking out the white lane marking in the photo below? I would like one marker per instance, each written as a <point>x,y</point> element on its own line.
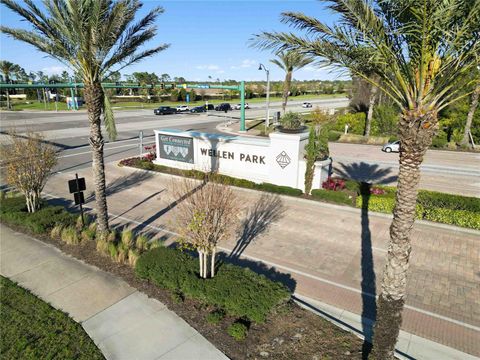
<point>333,283</point>
<point>110,148</point>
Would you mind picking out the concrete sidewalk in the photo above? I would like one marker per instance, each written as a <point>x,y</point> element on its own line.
<point>123,323</point>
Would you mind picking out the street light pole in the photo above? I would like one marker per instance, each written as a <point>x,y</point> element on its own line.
<point>267,120</point>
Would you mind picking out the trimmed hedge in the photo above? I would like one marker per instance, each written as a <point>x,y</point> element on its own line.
<point>462,218</point>
<point>337,197</point>
<point>199,175</point>
<point>433,199</point>
<point>13,211</point>
<point>238,291</point>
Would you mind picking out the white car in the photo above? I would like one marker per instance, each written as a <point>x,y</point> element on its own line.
<point>307,105</point>
<point>391,147</point>
<point>239,106</point>
<point>181,108</point>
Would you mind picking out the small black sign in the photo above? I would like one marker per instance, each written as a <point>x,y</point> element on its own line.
<point>177,148</point>
<point>79,198</point>
<point>72,185</point>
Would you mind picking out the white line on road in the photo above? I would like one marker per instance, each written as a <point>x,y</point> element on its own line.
<point>110,148</point>
<point>299,272</point>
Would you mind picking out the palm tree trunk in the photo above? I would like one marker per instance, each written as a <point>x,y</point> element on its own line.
<point>94,100</point>
<point>471,112</point>
<point>8,99</point>
<point>371,104</point>
<point>416,133</point>
<point>286,89</point>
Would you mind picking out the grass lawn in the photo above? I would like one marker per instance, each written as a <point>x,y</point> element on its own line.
<point>61,106</point>
<point>32,329</point>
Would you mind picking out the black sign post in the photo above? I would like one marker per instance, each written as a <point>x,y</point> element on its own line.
<point>76,187</point>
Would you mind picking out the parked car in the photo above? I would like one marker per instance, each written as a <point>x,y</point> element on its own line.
<point>307,105</point>
<point>164,110</point>
<point>391,147</point>
<point>182,108</point>
<point>223,107</point>
<point>198,109</point>
<point>239,106</point>
<point>209,107</point>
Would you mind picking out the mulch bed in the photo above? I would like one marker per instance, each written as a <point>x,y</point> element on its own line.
<point>290,332</point>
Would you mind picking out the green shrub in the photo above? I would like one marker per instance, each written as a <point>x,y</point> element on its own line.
<point>286,190</point>
<point>102,246</point>
<point>291,120</point>
<point>432,199</point>
<point>70,235</point>
<point>238,331</point>
<point>440,141</point>
<point>154,244</point>
<point>87,219</point>
<point>122,253</point>
<point>385,120</point>
<point>338,197</point>
<point>112,250</point>
<point>13,204</point>
<point>238,291</point>
<point>141,243</point>
<point>127,238</point>
<point>133,255</point>
<point>356,123</point>
<point>56,232</point>
<point>334,135</point>
<point>88,234</point>
<point>383,204</point>
<point>352,185</point>
<point>44,219</point>
<point>215,317</point>
<point>93,226</point>
<point>461,218</point>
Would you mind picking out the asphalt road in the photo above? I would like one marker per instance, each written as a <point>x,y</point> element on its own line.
<point>447,171</point>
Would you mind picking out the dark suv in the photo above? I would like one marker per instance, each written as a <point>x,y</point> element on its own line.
<point>165,110</point>
<point>223,107</point>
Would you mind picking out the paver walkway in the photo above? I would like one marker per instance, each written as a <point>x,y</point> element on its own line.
<point>123,323</point>
<point>326,252</point>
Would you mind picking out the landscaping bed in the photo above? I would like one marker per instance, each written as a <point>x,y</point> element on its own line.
<point>433,206</point>
<point>32,329</point>
<point>236,302</point>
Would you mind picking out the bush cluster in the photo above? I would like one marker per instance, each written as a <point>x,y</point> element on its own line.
<point>433,206</point>
<point>13,211</point>
<point>199,175</point>
<point>238,291</point>
<point>338,197</point>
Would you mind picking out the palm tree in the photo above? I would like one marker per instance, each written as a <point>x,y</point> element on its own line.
<point>92,37</point>
<point>289,61</point>
<point>421,53</point>
<point>8,69</point>
<point>471,112</point>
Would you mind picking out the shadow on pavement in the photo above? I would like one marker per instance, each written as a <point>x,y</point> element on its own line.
<point>266,210</point>
<point>368,282</point>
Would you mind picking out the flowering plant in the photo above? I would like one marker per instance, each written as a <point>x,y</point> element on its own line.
<point>377,191</point>
<point>333,184</point>
<point>152,152</point>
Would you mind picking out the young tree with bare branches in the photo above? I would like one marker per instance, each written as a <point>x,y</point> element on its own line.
<point>207,213</point>
<point>29,163</point>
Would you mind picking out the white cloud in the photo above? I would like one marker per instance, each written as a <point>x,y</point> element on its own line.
<point>247,63</point>
<point>310,68</point>
<point>207,67</point>
<point>54,70</point>
<point>221,72</point>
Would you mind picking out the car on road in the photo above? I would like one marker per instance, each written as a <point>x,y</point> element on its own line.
<point>198,109</point>
<point>209,107</point>
<point>223,107</point>
<point>391,147</point>
<point>165,110</point>
<point>182,108</point>
<point>239,106</point>
<point>307,105</point>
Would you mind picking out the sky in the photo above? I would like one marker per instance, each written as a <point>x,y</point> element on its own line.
<point>207,38</point>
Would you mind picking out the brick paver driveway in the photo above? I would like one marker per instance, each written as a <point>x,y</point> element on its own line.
<point>334,254</point>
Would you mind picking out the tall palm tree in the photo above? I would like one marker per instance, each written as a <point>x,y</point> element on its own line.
<point>8,69</point>
<point>471,112</point>
<point>289,61</point>
<point>93,37</point>
<point>421,52</point>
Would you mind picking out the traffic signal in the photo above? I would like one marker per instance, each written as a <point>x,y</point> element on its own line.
<point>173,85</point>
<point>162,86</point>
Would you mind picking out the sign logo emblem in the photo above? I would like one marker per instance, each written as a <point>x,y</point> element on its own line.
<point>283,159</point>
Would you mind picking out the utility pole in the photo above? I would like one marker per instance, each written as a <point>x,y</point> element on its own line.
<point>267,120</point>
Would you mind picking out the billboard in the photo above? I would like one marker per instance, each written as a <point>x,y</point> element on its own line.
<point>176,148</point>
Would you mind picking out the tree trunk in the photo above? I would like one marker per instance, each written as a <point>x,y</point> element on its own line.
<point>471,112</point>
<point>286,89</point>
<point>200,261</point>
<point>205,263</point>
<point>212,265</point>
<point>94,100</point>
<point>371,104</point>
<point>8,99</point>
<point>417,129</point>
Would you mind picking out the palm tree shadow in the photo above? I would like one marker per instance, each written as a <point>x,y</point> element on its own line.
<point>368,282</point>
<point>266,210</point>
